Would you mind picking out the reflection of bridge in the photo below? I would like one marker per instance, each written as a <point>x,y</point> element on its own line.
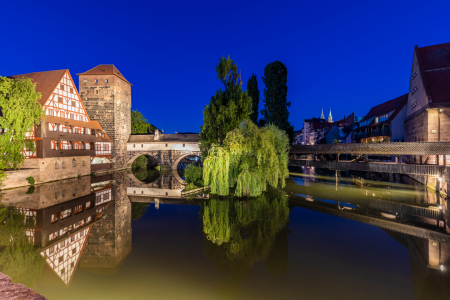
<point>167,149</point>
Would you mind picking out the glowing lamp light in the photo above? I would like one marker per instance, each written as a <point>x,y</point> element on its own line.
<point>440,207</point>
<point>441,110</point>
<point>441,267</point>
<point>440,179</point>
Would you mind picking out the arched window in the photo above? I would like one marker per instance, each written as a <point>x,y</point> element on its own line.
<point>74,163</point>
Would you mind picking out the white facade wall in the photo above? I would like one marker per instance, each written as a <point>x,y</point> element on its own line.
<point>162,146</point>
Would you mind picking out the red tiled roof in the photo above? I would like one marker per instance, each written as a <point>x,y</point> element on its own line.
<point>387,107</point>
<point>435,68</point>
<point>104,70</point>
<point>46,82</point>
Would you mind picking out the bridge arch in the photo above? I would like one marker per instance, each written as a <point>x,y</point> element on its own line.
<point>177,161</point>
<point>133,156</point>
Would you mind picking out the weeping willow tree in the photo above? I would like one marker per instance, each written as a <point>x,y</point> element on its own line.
<point>20,259</point>
<point>250,160</point>
<point>19,112</point>
<point>238,233</point>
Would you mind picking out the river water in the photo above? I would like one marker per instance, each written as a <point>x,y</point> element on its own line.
<point>363,236</point>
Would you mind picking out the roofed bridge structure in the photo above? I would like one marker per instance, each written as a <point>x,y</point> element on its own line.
<point>167,149</point>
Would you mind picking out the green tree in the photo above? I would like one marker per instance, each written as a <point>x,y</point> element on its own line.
<point>253,92</point>
<point>276,106</point>
<point>19,112</point>
<point>250,159</point>
<point>139,124</point>
<point>193,175</point>
<point>226,109</point>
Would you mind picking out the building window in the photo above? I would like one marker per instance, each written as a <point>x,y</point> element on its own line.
<point>83,163</point>
<point>106,80</point>
<point>81,118</point>
<point>77,130</point>
<point>96,91</point>
<point>60,100</point>
<point>96,80</point>
<point>50,112</point>
<point>74,163</point>
<point>414,75</point>
<point>166,145</point>
<point>71,116</point>
<point>63,193</point>
<point>56,166</point>
<point>71,90</point>
<point>183,145</point>
<point>61,87</point>
<point>414,90</point>
<point>73,103</point>
<point>51,250</point>
<point>134,145</point>
<point>62,164</point>
<point>142,145</point>
<point>61,114</point>
<point>63,270</point>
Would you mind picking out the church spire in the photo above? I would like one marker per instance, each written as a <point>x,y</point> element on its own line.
<point>330,117</point>
<point>322,116</point>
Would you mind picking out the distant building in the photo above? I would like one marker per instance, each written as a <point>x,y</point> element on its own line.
<point>383,123</point>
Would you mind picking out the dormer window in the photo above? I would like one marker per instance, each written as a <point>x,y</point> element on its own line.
<point>414,90</point>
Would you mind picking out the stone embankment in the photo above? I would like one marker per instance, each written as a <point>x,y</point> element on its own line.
<point>16,291</point>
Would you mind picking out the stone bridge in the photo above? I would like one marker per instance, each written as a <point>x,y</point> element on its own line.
<point>167,149</point>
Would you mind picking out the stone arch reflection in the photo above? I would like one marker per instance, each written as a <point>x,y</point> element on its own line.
<point>145,168</point>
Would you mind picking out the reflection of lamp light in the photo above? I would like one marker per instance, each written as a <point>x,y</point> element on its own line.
<point>441,267</point>
<point>440,207</point>
<point>441,110</point>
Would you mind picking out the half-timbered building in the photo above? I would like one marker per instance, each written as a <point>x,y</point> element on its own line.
<point>66,130</point>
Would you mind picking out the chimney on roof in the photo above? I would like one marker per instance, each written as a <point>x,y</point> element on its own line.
<point>156,134</point>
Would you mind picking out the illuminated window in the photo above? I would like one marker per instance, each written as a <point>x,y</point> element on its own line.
<point>62,115</point>
<point>50,112</point>
<point>85,81</point>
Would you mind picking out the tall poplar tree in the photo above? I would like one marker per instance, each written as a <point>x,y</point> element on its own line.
<point>276,106</point>
<point>253,92</point>
<point>226,109</point>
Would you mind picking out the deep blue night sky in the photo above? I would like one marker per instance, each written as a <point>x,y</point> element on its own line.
<point>347,55</point>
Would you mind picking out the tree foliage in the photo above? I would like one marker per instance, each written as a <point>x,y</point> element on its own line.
<point>238,233</point>
<point>276,106</point>
<point>250,159</point>
<point>194,175</point>
<point>139,124</point>
<point>19,259</point>
<point>226,109</point>
<point>253,92</point>
<point>19,112</point>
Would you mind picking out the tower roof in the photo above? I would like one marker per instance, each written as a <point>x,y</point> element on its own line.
<point>105,70</point>
<point>46,82</point>
<point>330,116</point>
<point>322,116</point>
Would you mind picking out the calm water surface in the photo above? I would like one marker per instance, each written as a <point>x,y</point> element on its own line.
<point>115,237</point>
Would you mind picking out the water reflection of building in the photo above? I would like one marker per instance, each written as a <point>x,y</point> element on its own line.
<point>109,241</point>
<point>63,214</point>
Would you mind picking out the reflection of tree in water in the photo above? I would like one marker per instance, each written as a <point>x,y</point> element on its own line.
<point>138,210</point>
<point>143,169</point>
<point>19,258</point>
<point>238,233</point>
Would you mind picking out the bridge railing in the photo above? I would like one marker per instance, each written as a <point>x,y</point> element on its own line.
<point>420,148</point>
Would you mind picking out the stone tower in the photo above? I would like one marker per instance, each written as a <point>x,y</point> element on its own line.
<point>330,117</point>
<point>106,95</point>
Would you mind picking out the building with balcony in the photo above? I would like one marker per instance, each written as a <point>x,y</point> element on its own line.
<point>383,123</point>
